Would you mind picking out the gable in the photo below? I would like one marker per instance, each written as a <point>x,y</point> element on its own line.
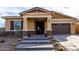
<point>57,15</point>
<point>35,10</point>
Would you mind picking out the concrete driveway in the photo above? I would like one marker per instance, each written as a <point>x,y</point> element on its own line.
<point>71,42</point>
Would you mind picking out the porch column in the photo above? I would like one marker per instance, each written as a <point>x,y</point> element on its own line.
<point>25,24</point>
<point>49,28</point>
<point>72,28</point>
<point>25,29</point>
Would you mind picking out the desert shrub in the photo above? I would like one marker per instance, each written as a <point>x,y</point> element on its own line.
<point>61,49</point>
<point>54,41</point>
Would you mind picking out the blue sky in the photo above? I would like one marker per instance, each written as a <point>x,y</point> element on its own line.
<point>13,11</point>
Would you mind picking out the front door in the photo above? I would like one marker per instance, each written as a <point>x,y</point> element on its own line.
<point>39,27</point>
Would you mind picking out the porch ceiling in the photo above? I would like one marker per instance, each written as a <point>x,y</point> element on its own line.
<point>38,19</point>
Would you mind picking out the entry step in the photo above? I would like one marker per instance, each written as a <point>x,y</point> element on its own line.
<point>36,41</point>
<point>34,47</point>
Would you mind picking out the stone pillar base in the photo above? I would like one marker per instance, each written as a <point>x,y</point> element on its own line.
<point>25,33</point>
<point>49,34</point>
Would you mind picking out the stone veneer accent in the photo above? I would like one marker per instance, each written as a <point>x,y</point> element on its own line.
<point>25,33</point>
<point>49,32</point>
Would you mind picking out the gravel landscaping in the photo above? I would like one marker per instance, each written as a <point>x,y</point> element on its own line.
<point>9,43</point>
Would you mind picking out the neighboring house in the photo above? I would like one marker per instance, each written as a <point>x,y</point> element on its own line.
<point>39,21</point>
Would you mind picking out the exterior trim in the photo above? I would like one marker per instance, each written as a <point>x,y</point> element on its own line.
<point>35,16</point>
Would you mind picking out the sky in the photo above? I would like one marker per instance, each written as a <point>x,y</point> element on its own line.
<point>14,11</point>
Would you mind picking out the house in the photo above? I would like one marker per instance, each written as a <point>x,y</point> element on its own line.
<point>39,21</point>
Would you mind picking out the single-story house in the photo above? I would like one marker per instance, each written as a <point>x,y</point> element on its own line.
<point>39,21</point>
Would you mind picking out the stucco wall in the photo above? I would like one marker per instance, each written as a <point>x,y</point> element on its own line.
<point>45,25</point>
<point>8,23</point>
<point>73,28</point>
<point>31,24</point>
<point>77,27</point>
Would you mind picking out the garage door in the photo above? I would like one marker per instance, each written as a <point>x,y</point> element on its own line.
<point>61,28</point>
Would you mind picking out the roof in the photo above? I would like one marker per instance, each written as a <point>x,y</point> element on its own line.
<point>65,15</point>
<point>44,10</point>
<point>38,8</point>
<point>6,17</point>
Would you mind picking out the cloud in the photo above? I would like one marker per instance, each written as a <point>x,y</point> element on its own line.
<point>13,11</point>
<point>2,22</point>
<point>2,25</point>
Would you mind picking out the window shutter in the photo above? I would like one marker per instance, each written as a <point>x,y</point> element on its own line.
<point>21,25</point>
<point>11,25</point>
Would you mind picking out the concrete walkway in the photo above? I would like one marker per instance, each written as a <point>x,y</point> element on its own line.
<point>34,43</point>
<point>71,42</point>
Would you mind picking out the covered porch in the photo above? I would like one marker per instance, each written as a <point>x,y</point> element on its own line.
<point>37,25</point>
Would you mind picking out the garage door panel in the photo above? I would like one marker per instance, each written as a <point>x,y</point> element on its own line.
<point>61,28</point>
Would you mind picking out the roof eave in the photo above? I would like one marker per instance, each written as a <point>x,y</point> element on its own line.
<point>7,17</point>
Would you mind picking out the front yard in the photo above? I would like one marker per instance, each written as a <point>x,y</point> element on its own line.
<point>60,42</point>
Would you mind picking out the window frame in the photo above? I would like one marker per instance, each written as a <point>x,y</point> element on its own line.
<point>14,26</point>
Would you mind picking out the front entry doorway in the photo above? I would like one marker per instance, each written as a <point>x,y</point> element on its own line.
<point>39,27</point>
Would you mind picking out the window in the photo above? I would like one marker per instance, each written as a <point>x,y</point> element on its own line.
<point>17,25</point>
<point>12,25</point>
